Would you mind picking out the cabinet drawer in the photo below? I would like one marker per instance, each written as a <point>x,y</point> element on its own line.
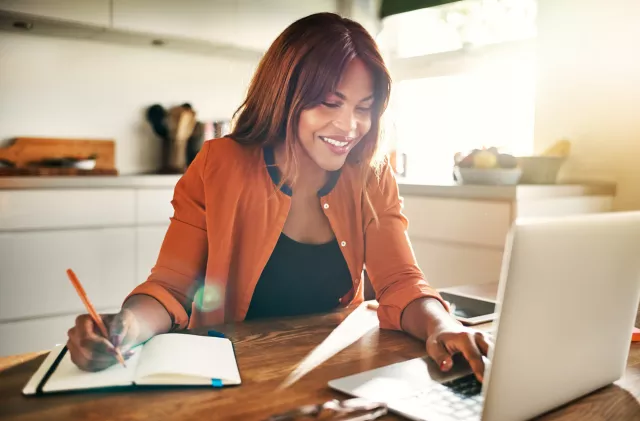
<point>564,206</point>
<point>154,206</point>
<point>34,335</point>
<point>246,23</point>
<point>92,12</point>
<point>37,334</point>
<point>33,209</point>
<point>448,265</point>
<point>457,220</point>
<point>33,282</point>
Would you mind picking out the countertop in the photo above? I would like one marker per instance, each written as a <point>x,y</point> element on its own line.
<point>88,182</point>
<point>517,192</point>
<point>407,188</point>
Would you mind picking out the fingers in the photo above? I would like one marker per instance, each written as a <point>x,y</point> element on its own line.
<point>439,354</point>
<point>90,363</point>
<point>88,338</point>
<point>467,345</point>
<point>85,360</point>
<point>88,350</point>
<point>482,343</point>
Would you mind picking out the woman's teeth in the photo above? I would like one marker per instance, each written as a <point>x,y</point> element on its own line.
<point>334,142</point>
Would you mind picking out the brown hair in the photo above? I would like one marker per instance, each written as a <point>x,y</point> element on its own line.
<point>299,69</point>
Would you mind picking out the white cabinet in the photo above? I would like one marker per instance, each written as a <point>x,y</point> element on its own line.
<point>240,28</point>
<point>456,220</point>
<point>33,282</point>
<point>262,21</point>
<point>245,23</point>
<point>198,19</point>
<point>34,335</point>
<point>91,12</point>
<point>149,241</point>
<point>68,208</point>
<point>110,237</point>
<point>460,240</point>
<point>445,264</point>
<point>153,210</point>
<point>565,206</point>
<point>153,206</point>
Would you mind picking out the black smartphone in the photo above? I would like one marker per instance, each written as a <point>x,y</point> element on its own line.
<point>470,310</point>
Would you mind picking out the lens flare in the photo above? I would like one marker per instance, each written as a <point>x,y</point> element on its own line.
<point>208,297</point>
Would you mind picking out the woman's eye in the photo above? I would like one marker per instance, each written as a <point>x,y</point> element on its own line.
<point>330,105</point>
<point>364,109</point>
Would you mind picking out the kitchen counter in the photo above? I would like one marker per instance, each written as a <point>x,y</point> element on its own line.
<point>506,193</point>
<point>407,188</point>
<point>94,181</point>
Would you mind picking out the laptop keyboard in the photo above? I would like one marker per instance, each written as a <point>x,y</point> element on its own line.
<point>459,399</point>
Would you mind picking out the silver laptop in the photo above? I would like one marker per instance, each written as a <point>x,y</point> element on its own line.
<point>567,301</point>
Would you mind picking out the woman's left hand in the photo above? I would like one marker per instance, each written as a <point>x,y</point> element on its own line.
<point>450,338</point>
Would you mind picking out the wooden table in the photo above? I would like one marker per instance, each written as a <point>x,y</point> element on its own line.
<point>267,352</point>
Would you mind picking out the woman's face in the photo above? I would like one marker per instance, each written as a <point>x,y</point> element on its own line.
<point>330,130</point>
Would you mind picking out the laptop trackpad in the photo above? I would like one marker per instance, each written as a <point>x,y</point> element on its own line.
<point>398,380</point>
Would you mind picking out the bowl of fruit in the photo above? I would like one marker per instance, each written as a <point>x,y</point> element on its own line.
<point>487,167</point>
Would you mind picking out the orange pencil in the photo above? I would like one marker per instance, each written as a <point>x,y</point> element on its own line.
<point>92,312</point>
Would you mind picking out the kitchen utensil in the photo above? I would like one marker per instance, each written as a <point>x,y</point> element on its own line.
<point>185,122</point>
<point>181,134</point>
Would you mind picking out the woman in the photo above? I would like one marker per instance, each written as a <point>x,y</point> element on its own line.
<point>280,217</point>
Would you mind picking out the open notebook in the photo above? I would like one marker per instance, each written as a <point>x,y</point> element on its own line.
<point>170,359</point>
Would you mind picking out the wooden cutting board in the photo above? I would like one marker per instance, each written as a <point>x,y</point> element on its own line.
<point>24,150</point>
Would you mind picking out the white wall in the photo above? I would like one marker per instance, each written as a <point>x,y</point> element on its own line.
<point>54,87</point>
<point>588,89</point>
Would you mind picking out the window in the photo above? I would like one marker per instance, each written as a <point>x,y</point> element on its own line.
<point>464,78</point>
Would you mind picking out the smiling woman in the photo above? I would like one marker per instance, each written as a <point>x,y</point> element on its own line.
<point>280,217</point>
<point>313,61</point>
<point>330,131</point>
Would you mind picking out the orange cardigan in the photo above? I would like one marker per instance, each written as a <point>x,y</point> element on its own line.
<point>228,215</point>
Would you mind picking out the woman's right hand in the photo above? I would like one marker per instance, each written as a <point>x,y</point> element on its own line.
<point>90,351</point>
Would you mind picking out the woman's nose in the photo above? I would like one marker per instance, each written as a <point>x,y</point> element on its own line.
<point>347,122</point>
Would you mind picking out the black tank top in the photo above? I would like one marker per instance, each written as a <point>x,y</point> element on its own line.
<point>300,279</point>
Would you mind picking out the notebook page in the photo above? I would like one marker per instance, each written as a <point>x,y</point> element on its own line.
<point>174,355</point>
<point>68,376</point>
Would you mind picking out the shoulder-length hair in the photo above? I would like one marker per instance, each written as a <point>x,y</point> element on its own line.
<point>299,69</point>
